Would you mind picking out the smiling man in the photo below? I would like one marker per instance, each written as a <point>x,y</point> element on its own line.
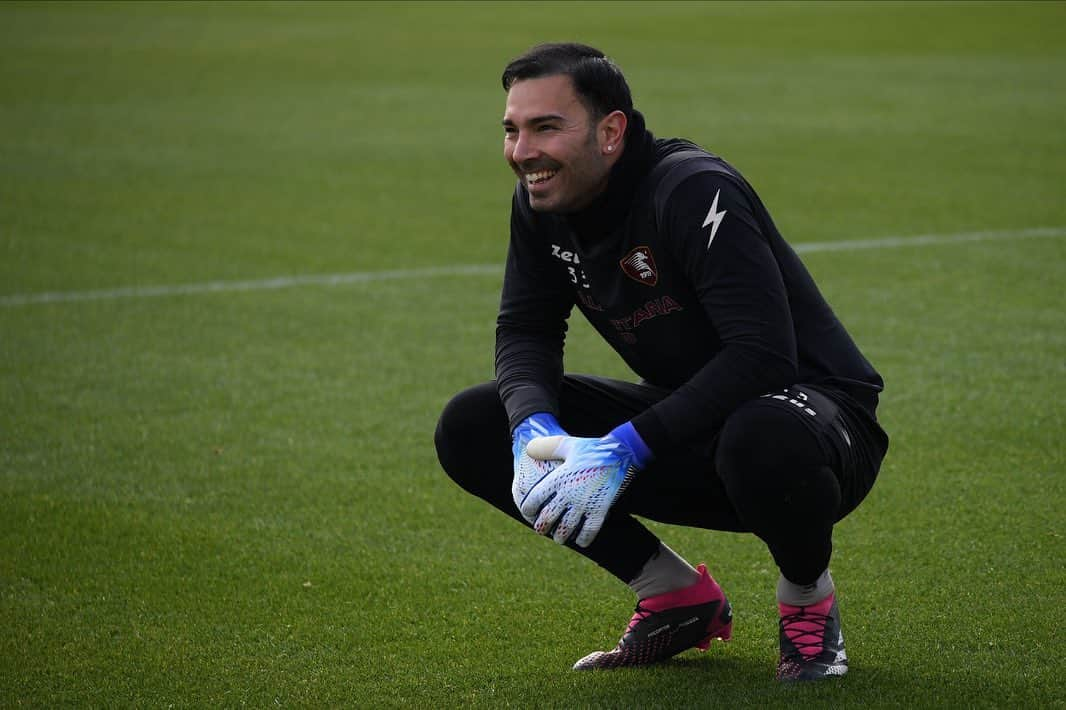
<point>558,149</point>
<point>752,409</point>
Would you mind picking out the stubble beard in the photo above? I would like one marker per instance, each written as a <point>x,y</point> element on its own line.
<point>588,192</point>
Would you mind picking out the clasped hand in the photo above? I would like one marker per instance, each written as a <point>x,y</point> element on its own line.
<point>529,471</point>
<point>571,500</point>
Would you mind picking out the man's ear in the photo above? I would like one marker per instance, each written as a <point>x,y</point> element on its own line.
<point>611,132</point>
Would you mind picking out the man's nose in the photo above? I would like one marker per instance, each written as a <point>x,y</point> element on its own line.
<point>524,148</point>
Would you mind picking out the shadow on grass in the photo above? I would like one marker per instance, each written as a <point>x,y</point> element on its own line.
<point>723,681</point>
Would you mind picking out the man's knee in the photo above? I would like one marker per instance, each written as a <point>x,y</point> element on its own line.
<point>763,437</point>
<point>472,434</point>
<point>769,461</point>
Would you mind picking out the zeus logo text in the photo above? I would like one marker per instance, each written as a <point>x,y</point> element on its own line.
<point>577,275</point>
<point>568,256</point>
<point>800,401</point>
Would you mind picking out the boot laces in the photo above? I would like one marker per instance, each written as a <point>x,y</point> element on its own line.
<point>806,631</point>
<point>639,615</point>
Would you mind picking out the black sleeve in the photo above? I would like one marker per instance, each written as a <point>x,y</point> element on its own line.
<point>742,291</point>
<point>531,326</point>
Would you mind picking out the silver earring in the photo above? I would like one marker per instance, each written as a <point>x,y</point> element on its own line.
<point>610,148</point>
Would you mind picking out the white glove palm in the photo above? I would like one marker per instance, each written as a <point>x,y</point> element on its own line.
<point>574,497</point>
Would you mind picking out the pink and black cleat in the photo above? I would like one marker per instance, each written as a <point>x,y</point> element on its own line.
<point>667,624</point>
<point>812,644</point>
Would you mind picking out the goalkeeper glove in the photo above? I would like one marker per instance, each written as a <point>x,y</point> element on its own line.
<point>573,499</point>
<point>528,471</point>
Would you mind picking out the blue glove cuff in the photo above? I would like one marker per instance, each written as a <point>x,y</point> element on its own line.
<point>544,420</point>
<point>536,424</point>
<point>628,435</point>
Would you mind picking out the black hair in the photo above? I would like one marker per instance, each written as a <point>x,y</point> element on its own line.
<point>598,81</point>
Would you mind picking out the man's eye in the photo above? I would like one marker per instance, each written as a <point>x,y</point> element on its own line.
<point>543,129</point>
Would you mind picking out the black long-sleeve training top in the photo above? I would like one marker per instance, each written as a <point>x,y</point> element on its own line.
<point>680,268</point>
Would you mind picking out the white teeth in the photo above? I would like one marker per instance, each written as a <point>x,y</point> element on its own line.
<point>540,176</point>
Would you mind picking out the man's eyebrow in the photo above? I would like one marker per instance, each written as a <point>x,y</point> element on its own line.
<point>538,119</point>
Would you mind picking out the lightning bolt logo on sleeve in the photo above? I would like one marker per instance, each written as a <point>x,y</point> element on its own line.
<point>714,218</point>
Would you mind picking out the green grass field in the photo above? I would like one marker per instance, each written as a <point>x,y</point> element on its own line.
<point>221,490</point>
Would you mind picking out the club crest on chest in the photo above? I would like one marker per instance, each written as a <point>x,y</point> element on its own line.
<point>639,265</point>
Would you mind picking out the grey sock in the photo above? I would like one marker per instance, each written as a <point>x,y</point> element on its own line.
<point>664,572</point>
<point>804,594</point>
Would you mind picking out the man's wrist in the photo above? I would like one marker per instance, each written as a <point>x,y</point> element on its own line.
<point>628,435</point>
<point>537,424</point>
<point>652,431</point>
<point>544,420</point>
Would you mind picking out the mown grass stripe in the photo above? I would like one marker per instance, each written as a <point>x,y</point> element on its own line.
<point>280,282</point>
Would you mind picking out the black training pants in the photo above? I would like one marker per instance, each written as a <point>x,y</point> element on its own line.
<point>785,466</point>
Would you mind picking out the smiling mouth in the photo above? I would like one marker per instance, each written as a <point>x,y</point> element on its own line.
<point>540,177</point>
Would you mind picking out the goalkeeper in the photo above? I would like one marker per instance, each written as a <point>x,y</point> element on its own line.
<point>754,411</point>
